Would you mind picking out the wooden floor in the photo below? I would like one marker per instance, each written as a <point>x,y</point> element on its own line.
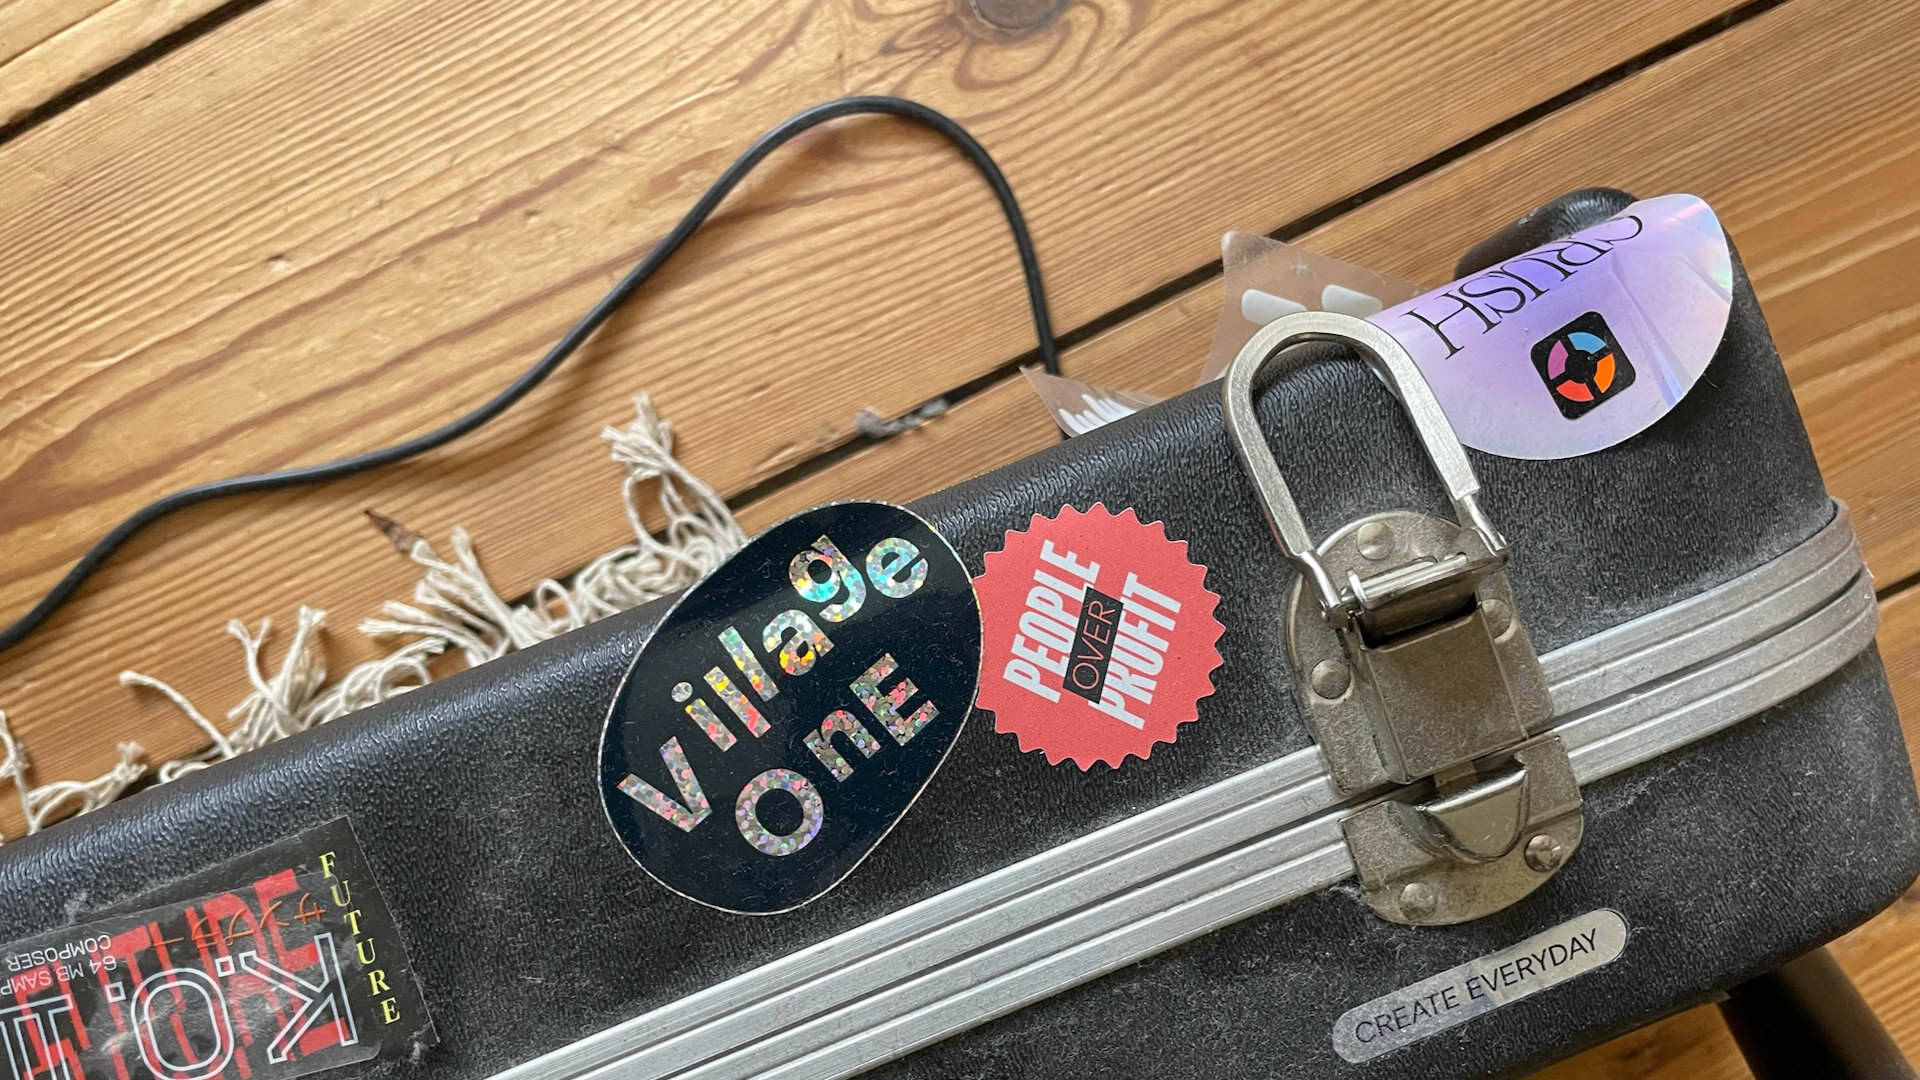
<point>245,234</point>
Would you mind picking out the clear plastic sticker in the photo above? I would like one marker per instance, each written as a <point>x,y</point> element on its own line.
<point>1079,406</point>
<point>1267,278</point>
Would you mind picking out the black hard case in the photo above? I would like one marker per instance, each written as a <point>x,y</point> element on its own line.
<point>476,802</point>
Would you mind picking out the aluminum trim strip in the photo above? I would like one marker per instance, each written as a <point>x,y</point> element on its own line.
<point>1659,643</point>
<point>1689,707</point>
<point>966,918</point>
<point>1219,854</point>
<point>1048,909</point>
<point>1295,862</point>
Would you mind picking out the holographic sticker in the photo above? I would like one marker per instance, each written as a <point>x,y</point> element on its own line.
<point>813,812</point>
<point>814,683</point>
<point>886,704</point>
<point>1582,365</point>
<point>703,716</point>
<point>684,817</point>
<point>748,664</point>
<point>736,701</point>
<point>885,563</point>
<point>1563,350</point>
<point>1581,343</point>
<point>845,724</point>
<point>840,577</point>
<point>799,641</point>
<point>1100,636</point>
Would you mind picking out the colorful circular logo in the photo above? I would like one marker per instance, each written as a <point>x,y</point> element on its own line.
<point>1582,365</point>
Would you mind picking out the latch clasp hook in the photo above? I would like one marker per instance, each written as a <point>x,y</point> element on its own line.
<point>1395,366</point>
<point>1419,677</point>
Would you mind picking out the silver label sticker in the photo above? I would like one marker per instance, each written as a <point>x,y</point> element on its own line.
<point>1478,987</point>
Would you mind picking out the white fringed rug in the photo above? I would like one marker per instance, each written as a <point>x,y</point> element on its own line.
<point>454,608</point>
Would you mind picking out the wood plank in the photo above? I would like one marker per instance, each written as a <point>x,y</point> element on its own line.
<point>46,46</point>
<point>1004,422</point>
<point>1153,354</point>
<point>27,23</point>
<point>1718,120</point>
<point>325,227</point>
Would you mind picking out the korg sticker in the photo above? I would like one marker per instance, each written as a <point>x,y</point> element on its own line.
<point>281,963</point>
<point>1478,987</point>
<point>1100,636</point>
<point>791,707</point>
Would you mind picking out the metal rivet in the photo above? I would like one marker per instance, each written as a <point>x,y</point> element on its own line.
<point>1499,616</point>
<point>1544,853</point>
<point>1376,541</point>
<point>1331,678</point>
<point>1418,899</point>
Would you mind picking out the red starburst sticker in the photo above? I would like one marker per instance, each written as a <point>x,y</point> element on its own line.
<point>1100,636</point>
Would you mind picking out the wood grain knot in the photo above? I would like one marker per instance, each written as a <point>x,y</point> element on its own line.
<point>1016,18</point>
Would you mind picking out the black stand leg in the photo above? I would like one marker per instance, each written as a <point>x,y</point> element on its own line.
<point>1805,1020</point>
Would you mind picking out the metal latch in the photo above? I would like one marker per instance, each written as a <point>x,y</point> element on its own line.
<point>1415,668</point>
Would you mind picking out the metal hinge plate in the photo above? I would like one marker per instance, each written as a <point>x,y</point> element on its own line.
<point>1442,711</point>
<point>1431,699</point>
<point>1464,855</point>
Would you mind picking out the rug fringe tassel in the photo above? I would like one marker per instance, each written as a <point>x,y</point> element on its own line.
<point>454,607</point>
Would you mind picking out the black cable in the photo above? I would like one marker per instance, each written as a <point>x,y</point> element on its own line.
<point>577,336</point>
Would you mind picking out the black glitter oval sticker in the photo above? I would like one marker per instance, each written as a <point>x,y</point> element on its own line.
<point>791,707</point>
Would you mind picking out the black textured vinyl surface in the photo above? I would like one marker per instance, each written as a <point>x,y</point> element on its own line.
<point>475,799</point>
